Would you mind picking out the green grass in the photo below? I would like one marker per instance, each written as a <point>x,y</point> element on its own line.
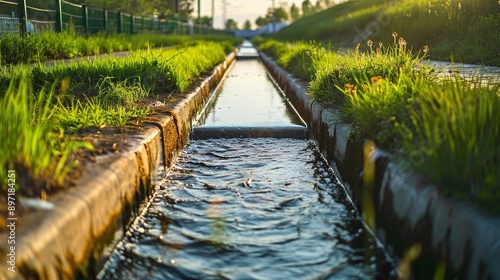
<point>114,105</point>
<point>29,143</point>
<point>453,137</point>
<point>454,29</point>
<point>446,128</point>
<point>155,70</point>
<point>44,107</point>
<point>33,48</point>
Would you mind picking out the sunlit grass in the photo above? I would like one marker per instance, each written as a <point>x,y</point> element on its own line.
<point>454,138</point>
<point>42,106</point>
<point>155,70</point>
<point>457,29</point>
<point>448,129</point>
<point>113,106</point>
<point>34,48</point>
<point>30,145</point>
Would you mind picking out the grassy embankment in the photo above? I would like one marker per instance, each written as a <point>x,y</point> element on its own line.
<point>44,108</point>
<point>458,30</point>
<point>47,45</point>
<point>449,129</point>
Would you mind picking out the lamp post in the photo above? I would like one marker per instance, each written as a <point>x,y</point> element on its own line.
<point>199,11</point>
<point>224,11</point>
<point>274,16</point>
<point>213,13</point>
<point>177,4</point>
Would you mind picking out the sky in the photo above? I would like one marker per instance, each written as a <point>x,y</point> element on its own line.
<point>241,10</point>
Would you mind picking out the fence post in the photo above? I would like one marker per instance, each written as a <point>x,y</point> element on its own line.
<point>23,16</point>
<point>132,24</point>
<point>59,20</point>
<point>119,20</point>
<point>105,18</point>
<point>85,15</point>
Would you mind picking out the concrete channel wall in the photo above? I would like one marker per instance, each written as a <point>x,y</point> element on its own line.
<point>408,210</point>
<point>69,239</point>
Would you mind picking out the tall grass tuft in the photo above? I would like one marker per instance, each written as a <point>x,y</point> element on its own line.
<point>29,143</point>
<point>15,48</point>
<point>24,143</point>
<point>379,106</point>
<point>454,137</point>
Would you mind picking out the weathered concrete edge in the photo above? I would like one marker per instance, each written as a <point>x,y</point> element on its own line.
<point>61,243</point>
<point>408,210</point>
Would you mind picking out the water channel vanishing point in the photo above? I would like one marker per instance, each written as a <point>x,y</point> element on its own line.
<point>262,204</point>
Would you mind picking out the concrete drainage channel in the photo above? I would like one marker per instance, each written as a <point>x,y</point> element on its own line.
<point>249,198</point>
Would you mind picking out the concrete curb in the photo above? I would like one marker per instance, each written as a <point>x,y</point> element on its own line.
<point>408,210</point>
<point>68,240</point>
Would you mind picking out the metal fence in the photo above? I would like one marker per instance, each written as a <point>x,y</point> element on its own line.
<point>32,16</point>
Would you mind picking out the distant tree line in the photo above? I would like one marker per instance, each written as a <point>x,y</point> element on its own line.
<point>293,13</point>
<point>163,9</point>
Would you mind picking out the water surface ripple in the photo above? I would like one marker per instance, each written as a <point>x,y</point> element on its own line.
<point>290,221</point>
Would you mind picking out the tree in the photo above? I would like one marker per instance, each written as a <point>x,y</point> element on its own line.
<point>280,14</point>
<point>294,12</point>
<point>247,25</point>
<point>231,24</point>
<point>163,8</point>
<point>328,3</point>
<point>318,7</point>
<point>205,21</point>
<point>260,21</point>
<point>186,7</point>
<point>307,8</point>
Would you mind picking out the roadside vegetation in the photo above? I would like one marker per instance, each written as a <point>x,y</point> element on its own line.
<point>445,126</point>
<point>33,48</point>
<point>44,108</point>
<point>458,30</point>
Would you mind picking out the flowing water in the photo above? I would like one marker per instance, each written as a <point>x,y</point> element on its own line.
<point>249,208</point>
